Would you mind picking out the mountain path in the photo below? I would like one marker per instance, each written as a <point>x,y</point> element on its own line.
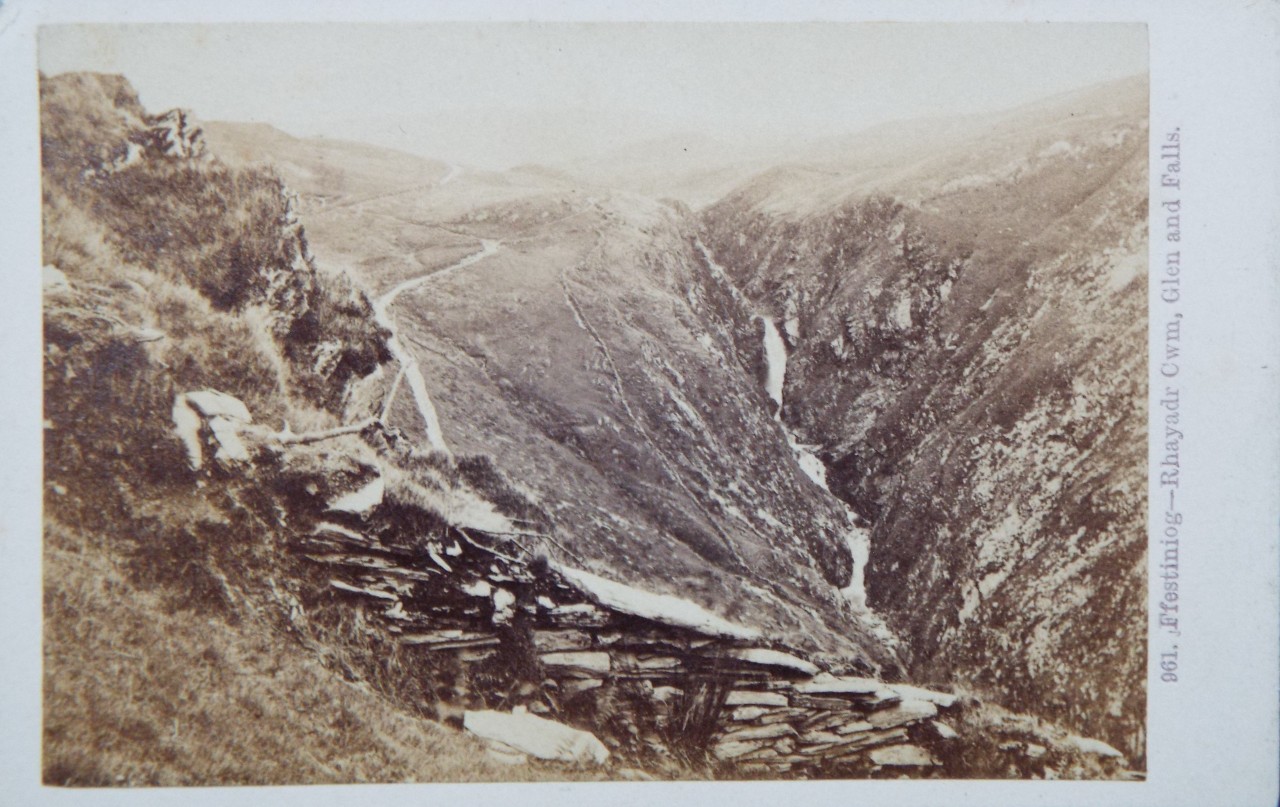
<point>410,372</point>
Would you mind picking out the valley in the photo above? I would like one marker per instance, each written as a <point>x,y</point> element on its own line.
<point>825,452</point>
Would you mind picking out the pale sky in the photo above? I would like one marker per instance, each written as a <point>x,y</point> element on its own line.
<point>498,94</point>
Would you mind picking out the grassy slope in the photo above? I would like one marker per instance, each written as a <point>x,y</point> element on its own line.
<point>140,690</point>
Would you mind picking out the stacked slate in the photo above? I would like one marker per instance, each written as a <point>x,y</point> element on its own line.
<point>827,721</point>
<point>775,713</point>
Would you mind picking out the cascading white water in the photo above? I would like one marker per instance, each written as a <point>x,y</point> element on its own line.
<point>775,355</point>
<point>857,538</point>
<point>859,541</point>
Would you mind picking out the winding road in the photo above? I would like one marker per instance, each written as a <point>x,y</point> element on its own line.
<point>409,370</point>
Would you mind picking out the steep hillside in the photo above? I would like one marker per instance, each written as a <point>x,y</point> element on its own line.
<point>965,326</point>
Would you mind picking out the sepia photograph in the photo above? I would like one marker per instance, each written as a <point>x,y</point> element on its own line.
<point>547,401</point>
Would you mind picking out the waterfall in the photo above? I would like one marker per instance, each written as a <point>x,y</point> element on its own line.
<point>857,538</point>
<point>775,354</point>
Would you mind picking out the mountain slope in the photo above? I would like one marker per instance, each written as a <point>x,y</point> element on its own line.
<point>967,325</point>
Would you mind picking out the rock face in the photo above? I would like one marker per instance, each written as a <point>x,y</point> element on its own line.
<point>966,347</point>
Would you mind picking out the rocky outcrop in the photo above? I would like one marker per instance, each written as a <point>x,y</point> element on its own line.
<point>696,683</point>
<point>152,184</point>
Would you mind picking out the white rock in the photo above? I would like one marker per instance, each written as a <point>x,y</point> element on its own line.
<point>54,281</point>
<point>1088,745</point>
<point>225,415</point>
<point>944,731</point>
<point>662,608</point>
<point>536,736</point>
<point>503,599</point>
<point>478,588</point>
<point>944,699</point>
<point>441,562</point>
<point>502,602</point>
<point>772,658</point>
<point>902,755</point>
<point>186,422</point>
<point>362,500</point>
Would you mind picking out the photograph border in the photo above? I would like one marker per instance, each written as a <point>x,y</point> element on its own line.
<point>1212,733</point>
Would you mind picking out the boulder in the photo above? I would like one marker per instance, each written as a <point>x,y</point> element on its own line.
<point>224,415</point>
<point>53,281</point>
<point>536,736</point>
<point>910,756</point>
